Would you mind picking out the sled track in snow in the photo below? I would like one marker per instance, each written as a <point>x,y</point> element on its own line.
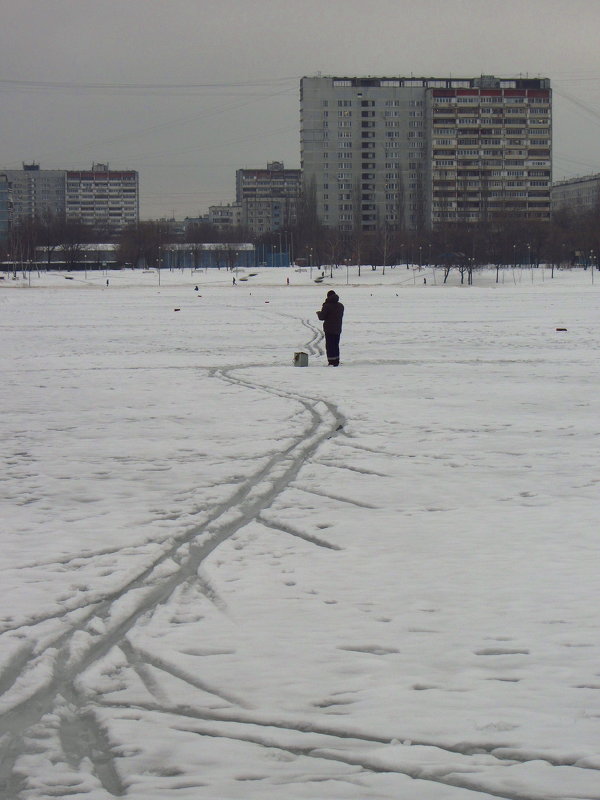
<point>51,668</point>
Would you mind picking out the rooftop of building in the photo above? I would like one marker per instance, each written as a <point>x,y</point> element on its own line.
<point>412,81</point>
<point>577,179</point>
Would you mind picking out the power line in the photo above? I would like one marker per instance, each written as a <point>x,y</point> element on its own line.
<point>139,132</point>
<point>70,86</point>
<point>208,148</point>
<point>579,103</point>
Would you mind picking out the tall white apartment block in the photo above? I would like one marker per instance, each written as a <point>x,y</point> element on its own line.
<point>410,153</point>
<point>103,197</point>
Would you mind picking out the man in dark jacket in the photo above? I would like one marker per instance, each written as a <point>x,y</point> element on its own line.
<point>331,314</point>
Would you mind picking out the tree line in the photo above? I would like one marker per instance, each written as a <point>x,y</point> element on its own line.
<point>569,238</point>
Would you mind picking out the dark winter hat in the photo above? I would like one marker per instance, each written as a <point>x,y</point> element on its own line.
<point>331,293</point>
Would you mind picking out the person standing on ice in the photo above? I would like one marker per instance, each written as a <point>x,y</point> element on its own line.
<point>331,314</point>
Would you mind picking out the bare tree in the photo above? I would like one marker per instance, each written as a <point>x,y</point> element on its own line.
<point>140,244</point>
<point>74,235</point>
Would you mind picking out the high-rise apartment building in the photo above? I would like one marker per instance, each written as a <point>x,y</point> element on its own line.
<point>103,197</point>
<point>268,197</point>
<point>3,208</point>
<point>409,153</point>
<point>35,193</point>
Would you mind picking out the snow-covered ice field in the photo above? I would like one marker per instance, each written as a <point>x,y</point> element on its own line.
<point>223,577</point>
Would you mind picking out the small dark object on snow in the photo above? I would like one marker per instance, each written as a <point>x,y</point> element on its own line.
<point>561,329</point>
<point>301,359</point>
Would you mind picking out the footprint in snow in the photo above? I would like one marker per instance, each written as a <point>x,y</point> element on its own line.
<point>501,651</point>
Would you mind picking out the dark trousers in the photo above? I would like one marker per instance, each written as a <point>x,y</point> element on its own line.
<point>332,346</point>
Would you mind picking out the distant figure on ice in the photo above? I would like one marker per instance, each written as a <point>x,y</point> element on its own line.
<point>233,282</point>
<point>331,314</point>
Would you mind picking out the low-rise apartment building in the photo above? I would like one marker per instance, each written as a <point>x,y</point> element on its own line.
<point>225,217</point>
<point>577,194</point>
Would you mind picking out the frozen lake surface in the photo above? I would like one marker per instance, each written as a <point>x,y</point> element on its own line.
<point>223,577</point>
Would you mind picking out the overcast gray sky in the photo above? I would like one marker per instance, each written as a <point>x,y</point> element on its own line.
<point>187,91</point>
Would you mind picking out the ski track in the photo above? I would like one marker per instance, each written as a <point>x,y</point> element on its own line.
<point>55,696</point>
<point>333,744</point>
<point>60,663</point>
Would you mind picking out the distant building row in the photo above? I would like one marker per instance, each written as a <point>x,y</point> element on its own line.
<point>105,198</point>
<point>401,152</point>
<point>266,199</point>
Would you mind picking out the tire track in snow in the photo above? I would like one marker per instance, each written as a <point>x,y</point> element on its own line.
<point>66,656</point>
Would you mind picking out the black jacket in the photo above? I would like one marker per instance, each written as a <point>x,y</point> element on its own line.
<point>331,314</point>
